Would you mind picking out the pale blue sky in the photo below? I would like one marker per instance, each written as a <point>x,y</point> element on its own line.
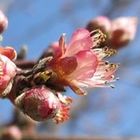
<point>37,23</point>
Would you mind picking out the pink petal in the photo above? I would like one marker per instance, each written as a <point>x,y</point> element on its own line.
<point>80,34</point>
<point>87,63</point>
<point>7,72</point>
<point>9,52</point>
<point>79,45</point>
<point>67,65</point>
<point>10,67</point>
<point>80,41</point>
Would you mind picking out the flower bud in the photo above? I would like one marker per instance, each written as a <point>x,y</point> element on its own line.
<point>7,73</point>
<point>11,133</point>
<point>123,31</point>
<point>41,104</point>
<point>101,22</point>
<point>3,22</point>
<point>8,52</point>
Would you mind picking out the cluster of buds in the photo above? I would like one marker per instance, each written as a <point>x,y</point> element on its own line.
<point>79,64</point>
<point>119,31</point>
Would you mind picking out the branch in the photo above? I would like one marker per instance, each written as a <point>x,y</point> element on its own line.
<point>24,64</point>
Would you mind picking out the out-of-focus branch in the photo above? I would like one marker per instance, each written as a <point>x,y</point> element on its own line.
<point>25,64</point>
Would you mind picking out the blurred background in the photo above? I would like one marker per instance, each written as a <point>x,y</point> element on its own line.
<point>104,111</point>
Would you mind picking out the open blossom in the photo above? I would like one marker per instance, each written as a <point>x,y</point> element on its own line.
<point>41,104</point>
<point>7,71</point>
<point>80,63</point>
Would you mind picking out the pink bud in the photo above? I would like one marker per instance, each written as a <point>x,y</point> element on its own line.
<point>101,22</point>
<point>8,52</point>
<point>11,133</point>
<point>3,22</point>
<point>123,31</point>
<point>41,104</point>
<point>7,73</point>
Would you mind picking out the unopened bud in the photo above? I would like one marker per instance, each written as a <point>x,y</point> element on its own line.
<point>3,22</point>
<point>7,73</point>
<point>123,31</point>
<point>101,22</point>
<point>9,52</point>
<point>11,133</point>
<point>41,104</point>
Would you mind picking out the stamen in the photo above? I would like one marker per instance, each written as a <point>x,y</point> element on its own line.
<point>113,66</point>
<point>76,89</point>
<point>98,38</point>
<point>109,52</point>
<point>112,86</point>
<point>109,84</point>
<point>45,75</point>
<point>62,115</point>
<point>1,70</point>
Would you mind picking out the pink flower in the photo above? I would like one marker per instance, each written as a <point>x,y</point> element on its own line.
<point>79,64</point>
<point>40,103</point>
<point>7,73</point>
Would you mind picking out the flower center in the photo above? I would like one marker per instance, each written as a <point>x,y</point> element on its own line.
<point>64,66</point>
